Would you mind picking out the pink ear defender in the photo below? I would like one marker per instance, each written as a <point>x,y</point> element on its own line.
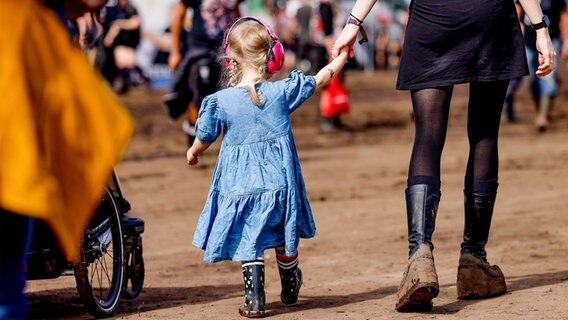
<point>275,55</point>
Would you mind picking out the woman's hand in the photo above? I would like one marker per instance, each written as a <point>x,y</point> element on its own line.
<point>346,38</point>
<point>546,53</point>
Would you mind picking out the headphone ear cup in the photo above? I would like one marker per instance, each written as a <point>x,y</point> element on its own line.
<point>227,60</point>
<point>275,58</point>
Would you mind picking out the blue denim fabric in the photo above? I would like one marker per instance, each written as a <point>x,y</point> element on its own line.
<point>547,85</point>
<point>257,198</point>
<point>15,238</point>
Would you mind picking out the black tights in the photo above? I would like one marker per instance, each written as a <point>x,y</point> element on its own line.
<point>431,109</point>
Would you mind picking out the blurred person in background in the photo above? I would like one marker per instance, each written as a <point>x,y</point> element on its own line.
<point>61,132</point>
<point>194,59</point>
<point>304,27</point>
<point>263,9</point>
<point>514,84</point>
<point>121,36</point>
<point>327,11</point>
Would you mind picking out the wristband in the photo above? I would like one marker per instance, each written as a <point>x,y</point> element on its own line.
<point>354,17</point>
<point>543,24</point>
<point>353,20</point>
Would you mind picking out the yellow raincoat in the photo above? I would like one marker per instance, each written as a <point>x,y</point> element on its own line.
<point>61,127</point>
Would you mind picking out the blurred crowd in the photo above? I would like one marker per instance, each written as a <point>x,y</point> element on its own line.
<point>131,39</point>
<point>133,42</point>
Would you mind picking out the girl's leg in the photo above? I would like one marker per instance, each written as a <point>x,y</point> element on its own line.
<point>420,281</point>
<point>476,278</point>
<point>253,277</point>
<point>290,276</point>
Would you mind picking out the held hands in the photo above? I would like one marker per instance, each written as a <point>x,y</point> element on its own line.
<point>546,53</point>
<point>346,39</point>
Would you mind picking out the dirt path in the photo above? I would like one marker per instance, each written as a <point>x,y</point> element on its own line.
<point>355,182</point>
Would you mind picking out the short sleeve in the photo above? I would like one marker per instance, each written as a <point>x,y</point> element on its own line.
<point>299,87</point>
<point>208,126</point>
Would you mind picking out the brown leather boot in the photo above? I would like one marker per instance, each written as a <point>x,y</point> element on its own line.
<point>477,279</point>
<point>419,283</point>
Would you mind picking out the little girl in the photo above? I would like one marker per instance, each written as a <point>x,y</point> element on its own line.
<point>257,198</point>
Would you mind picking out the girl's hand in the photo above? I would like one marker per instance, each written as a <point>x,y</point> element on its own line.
<point>546,53</point>
<point>346,38</point>
<point>192,159</point>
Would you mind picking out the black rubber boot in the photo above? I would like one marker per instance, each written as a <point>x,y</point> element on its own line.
<point>253,276</point>
<point>477,279</point>
<point>291,280</point>
<point>419,284</point>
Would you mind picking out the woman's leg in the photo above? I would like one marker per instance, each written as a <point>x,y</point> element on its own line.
<point>420,281</point>
<point>476,278</point>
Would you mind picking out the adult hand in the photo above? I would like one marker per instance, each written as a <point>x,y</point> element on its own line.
<point>546,53</point>
<point>346,38</point>
<point>174,59</point>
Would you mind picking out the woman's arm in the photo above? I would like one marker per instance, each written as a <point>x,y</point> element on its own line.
<point>324,76</point>
<point>348,35</point>
<point>546,53</point>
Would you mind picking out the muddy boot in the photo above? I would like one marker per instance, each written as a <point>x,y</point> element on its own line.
<point>290,278</point>
<point>253,276</point>
<point>419,284</point>
<point>477,279</point>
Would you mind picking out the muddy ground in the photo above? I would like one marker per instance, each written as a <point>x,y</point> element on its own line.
<point>355,181</point>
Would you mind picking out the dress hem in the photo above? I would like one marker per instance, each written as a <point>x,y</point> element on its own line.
<point>242,257</point>
<point>435,84</point>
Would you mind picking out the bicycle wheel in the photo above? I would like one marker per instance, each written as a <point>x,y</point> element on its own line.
<point>100,273</point>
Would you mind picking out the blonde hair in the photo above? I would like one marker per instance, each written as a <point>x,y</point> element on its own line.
<point>249,43</point>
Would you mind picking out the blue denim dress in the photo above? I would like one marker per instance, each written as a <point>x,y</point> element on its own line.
<point>257,198</point>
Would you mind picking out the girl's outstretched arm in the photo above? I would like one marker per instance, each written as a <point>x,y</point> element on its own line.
<point>194,151</point>
<point>324,76</point>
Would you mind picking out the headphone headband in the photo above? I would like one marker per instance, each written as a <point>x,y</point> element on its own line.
<point>249,18</point>
<point>275,55</point>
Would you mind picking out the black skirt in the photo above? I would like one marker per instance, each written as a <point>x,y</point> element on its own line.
<point>458,41</point>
